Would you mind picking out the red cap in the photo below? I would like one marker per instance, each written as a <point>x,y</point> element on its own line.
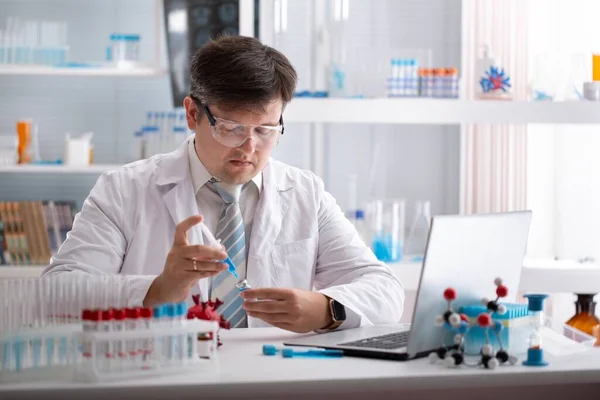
<point>146,313</point>
<point>86,315</point>
<point>107,315</point>
<point>96,315</point>
<point>120,314</point>
<point>133,313</point>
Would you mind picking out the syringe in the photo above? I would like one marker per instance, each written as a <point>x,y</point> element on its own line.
<point>214,242</point>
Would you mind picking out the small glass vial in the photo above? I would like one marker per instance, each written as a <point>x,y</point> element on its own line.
<point>243,285</point>
<point>535,351</point>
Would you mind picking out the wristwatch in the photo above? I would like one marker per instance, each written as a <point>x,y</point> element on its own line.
<point>337,312</point>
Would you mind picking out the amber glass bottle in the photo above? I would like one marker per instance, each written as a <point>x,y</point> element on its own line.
<point>585,314</point>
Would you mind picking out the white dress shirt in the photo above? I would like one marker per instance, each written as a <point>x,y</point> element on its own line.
<point>210,203</point>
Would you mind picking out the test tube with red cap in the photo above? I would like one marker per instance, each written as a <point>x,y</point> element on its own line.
<point>107,346</point>
<point>120,353</point>
<point>131,324</point>
<point>88,326</point>
<point>96,349</point>
<point>146,345</point>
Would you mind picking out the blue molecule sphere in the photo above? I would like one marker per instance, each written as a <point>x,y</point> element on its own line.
<point>498,326</point>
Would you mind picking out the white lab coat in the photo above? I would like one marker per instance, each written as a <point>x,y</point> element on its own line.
<point>300,237</point>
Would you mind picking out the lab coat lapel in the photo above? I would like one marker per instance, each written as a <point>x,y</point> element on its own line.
<point>268,217</point>
<point>175,179</point>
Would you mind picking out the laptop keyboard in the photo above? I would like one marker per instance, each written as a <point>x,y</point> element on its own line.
<point>388,342</point>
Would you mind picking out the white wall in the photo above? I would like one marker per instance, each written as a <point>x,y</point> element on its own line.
<point>563,166</point>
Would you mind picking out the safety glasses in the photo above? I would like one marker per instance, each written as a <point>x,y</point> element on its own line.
<point>234,134</point>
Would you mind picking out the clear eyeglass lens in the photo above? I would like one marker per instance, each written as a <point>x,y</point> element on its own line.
<point>235,135</point>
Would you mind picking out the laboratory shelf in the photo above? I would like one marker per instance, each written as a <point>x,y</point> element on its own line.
<point>71,71</point>
<point>30,271</point>
<point>538,275</point>
<point>439,111</point>
<point>57,169</point>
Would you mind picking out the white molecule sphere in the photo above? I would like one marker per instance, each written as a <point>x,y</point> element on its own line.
<point>454,320</point>
<point>458,339</point>
<point>449,361</point>
<point>512,360</point>
<point>501,309</point>
<point>493,363</point>
<point>433,357</point>
<point>487,350</point>
<point>498,281</point>
<point>439,320</point>
<point>485,301</point>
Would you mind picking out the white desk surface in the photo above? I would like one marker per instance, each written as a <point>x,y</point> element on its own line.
<point>241,370</point>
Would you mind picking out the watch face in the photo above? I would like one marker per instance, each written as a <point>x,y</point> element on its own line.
<point>339,311</point>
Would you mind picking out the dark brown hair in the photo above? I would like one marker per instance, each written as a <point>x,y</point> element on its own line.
<point>240,72</point>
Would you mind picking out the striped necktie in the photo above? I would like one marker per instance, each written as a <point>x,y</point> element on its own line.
<point>230,230</point>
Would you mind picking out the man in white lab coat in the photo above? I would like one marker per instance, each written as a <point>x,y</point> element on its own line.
<point>286,235</point>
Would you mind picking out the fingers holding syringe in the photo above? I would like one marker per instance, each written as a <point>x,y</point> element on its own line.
<point>211,267</point>
<point>200,252</point>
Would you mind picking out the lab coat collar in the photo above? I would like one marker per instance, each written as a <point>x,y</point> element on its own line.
<point>175,182</point>
<point>173,167</point>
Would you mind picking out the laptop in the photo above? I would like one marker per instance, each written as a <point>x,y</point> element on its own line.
<point>466,252</point>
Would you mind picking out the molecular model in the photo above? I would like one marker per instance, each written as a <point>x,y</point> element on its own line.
<point>207,311</point>
<point>458,325</point>
<point>495,80</point>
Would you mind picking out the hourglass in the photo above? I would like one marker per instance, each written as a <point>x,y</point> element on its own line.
<point>535,351</point>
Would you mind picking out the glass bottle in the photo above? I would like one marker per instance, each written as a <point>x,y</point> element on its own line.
<point>584,319</point>
<point>243,285</point>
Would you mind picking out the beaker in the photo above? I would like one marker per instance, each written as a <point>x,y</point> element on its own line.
<point>543,83</point>
<point>578,74</point>
<point>8,150</point>
<point>419,230</point>
<point>387,224</point>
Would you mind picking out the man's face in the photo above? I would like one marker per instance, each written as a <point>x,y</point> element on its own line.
<point>232,165</point>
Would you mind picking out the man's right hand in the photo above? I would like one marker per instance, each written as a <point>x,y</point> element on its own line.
<point>184,266</point>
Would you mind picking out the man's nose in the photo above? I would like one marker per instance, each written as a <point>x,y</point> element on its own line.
<point>249,145</point>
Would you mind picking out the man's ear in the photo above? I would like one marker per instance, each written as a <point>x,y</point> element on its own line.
<point>191,113</point>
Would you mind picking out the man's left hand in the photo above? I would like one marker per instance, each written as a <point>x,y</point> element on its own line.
<point>295,310</point>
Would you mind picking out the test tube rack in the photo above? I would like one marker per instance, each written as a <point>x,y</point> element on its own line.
<point>35,353</point>
<point>165,348</point>
<point>67,353</point>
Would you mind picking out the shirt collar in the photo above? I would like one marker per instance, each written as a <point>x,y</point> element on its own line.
<point>199,173</point>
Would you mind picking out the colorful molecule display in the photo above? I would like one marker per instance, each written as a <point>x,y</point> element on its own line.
<point>458,325</point>
<point>495,80</point>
